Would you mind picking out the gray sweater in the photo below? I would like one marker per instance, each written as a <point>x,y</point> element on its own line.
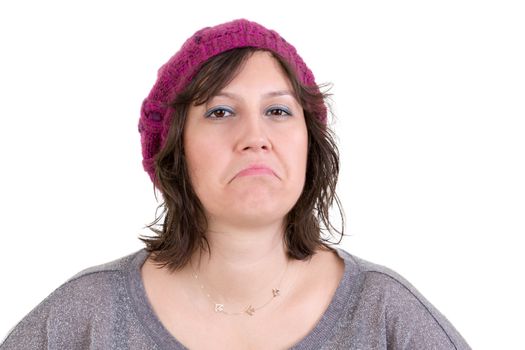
<point>105,307</point>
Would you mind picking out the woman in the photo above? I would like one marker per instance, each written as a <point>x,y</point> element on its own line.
<point>234,136</point>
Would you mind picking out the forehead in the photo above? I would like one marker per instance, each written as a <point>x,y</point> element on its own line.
<point>260,71</point>
<point>238,70</point>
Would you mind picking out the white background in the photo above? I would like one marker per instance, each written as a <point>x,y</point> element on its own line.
<point>429,99</point>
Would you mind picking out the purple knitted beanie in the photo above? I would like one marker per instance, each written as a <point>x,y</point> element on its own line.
<point>175,75</point>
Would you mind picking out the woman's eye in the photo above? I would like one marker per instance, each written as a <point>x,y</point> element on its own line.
<point>278,112</point>
<point>218,113</point>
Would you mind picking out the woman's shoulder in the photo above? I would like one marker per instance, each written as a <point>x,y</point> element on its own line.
<point>99,284</point>
<point>96,284</point>
<point>95,295</point>
<point>376,276</point>
<point>382,285</point>
<point>382,296</point>
<point>118,266</point>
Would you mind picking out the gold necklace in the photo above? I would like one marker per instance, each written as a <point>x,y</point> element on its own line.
<point>249,310</point>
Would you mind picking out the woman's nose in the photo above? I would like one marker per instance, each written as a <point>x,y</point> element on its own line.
<point>253,134</point>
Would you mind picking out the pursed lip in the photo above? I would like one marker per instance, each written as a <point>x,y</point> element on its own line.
<point>256,169</point>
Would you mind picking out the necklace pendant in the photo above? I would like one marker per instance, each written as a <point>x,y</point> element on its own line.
<point>276,292</point>
<point>250,310</point>
<point>219,307</point>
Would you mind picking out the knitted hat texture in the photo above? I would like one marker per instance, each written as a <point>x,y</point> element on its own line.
<point>176,74</point>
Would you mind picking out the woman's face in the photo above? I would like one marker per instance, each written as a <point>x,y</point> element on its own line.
<point>246,148</point>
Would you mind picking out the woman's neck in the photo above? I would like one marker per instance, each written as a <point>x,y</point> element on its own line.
<point>244,265</point>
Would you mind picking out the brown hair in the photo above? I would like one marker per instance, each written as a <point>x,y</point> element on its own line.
<point>185,223</point>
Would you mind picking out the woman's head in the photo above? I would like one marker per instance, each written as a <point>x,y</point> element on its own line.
<point>244,108</point>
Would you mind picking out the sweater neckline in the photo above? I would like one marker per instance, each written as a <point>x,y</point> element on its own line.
<point>165,340</point>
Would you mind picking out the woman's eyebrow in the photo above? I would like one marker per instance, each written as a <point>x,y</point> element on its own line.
<point>266,95</point>
<point>279,93</point>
